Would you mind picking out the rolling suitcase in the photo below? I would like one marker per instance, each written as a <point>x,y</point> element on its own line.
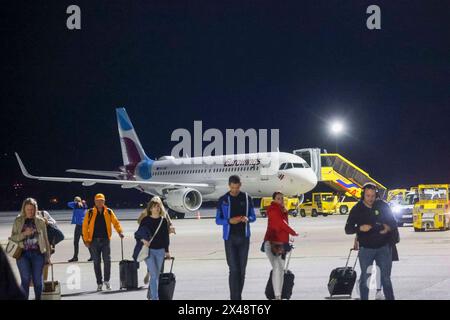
<point>342,280</point>
<point>167,283</point>
<point>51,289</point>
<point>128,273</point>
<point>288,283</point>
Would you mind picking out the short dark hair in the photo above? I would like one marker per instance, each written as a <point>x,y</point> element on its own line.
<point>234,179</point>
<point>276,193</point>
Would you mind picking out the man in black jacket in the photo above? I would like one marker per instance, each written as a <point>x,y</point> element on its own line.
<point>376,230</point>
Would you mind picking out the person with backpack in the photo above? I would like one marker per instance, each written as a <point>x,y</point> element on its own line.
<point>235,212</point>
<point>153,236</point>
<point>377,234</point>
<point>79,208</point>
<point>276,240</point>
<point>97,232</point>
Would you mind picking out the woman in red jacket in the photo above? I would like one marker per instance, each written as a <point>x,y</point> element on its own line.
<point>277,236</point>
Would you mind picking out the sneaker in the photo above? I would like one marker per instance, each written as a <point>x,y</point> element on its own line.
<point>107,285</point>
<point>147,278</point>
<point>100,287</point>
<point>74,259</point>
<point>379,295</point>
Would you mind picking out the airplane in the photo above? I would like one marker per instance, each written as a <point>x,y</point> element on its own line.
<point>184,186</point>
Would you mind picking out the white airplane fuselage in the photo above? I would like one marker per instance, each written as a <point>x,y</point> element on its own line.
<point>253,169</point>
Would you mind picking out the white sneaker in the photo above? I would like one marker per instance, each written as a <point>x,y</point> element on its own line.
<point>379,295</point>
<point>100,287</point>
<point>107,285</point>
<point>147,278</point>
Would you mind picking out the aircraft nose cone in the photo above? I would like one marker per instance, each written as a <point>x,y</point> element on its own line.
<point>306,180</point>
<point>311,180</point>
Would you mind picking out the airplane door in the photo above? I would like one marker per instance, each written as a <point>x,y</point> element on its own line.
<point>265,170</point>
<point>312,157</point>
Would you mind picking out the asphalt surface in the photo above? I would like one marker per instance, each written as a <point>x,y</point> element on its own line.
<point>423,271</point>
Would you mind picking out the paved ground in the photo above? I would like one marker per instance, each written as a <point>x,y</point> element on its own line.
<point>423,271</point>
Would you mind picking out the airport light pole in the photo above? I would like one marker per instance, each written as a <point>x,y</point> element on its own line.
<point>336,128</point>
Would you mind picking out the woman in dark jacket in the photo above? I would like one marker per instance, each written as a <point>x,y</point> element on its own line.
<point>276,239</point>
<point>157,228</point>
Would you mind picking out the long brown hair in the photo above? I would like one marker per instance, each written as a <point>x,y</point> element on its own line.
<point>156,201</point>
<point>26,202</point>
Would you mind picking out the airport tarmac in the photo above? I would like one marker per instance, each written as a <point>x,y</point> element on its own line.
<point>423,271</point>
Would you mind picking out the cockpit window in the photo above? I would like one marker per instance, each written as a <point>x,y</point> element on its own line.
<point>288,165</point>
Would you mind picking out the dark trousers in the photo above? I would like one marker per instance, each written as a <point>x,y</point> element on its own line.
<point>31,266</point>
<point>100,248</point>
<point>76,240</point>
<point>236,249</point>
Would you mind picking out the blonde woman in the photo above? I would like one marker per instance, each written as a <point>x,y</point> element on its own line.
<point>166,215</point>
<point>156,223</point>
<point>171,227</point>
<point>30,232</point>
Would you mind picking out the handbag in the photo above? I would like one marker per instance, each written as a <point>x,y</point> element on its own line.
<point>55,235</point>
<point>145,251</point>
<point>13,249</point>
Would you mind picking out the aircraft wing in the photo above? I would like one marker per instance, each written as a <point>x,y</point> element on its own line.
<point>112,174</point>
<point>126,184</point>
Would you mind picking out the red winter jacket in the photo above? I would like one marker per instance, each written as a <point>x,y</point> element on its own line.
<point>278,229</point>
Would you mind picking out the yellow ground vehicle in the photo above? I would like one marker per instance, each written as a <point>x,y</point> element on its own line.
<point>345,205</point>
<point>325,203</point>
<point>291,204</point>
<point>431,211</point>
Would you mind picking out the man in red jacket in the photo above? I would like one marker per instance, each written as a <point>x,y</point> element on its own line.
<point>275,240</point>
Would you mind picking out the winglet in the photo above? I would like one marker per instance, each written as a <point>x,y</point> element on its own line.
<point>22,168</point>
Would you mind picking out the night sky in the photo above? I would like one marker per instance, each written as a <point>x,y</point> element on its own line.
<point>232,64</point>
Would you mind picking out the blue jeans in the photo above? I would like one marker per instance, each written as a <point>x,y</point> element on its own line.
<point>31,266</point>
<point>383,258</point>
<point>236,249</point>
<point>154,265</point>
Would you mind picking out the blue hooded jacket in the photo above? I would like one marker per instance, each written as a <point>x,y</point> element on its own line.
<point>78,213</point>
<point>223,215</point>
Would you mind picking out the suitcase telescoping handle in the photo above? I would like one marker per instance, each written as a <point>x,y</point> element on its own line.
<point>53,278</point>
<point>121,246</point>
<point>348,259</point>
<point>289,255</point>
<point>171,265</point>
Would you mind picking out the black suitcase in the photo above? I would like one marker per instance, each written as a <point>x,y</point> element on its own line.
<point>288,283</point>
<point>167,281</point>
<point>342,280</point>
<point>128,273</point>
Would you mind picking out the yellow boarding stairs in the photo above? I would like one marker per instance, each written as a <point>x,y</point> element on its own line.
<point>338,172</point>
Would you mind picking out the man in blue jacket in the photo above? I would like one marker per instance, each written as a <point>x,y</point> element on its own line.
<point>79,209</point>
<point>235,212</point>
